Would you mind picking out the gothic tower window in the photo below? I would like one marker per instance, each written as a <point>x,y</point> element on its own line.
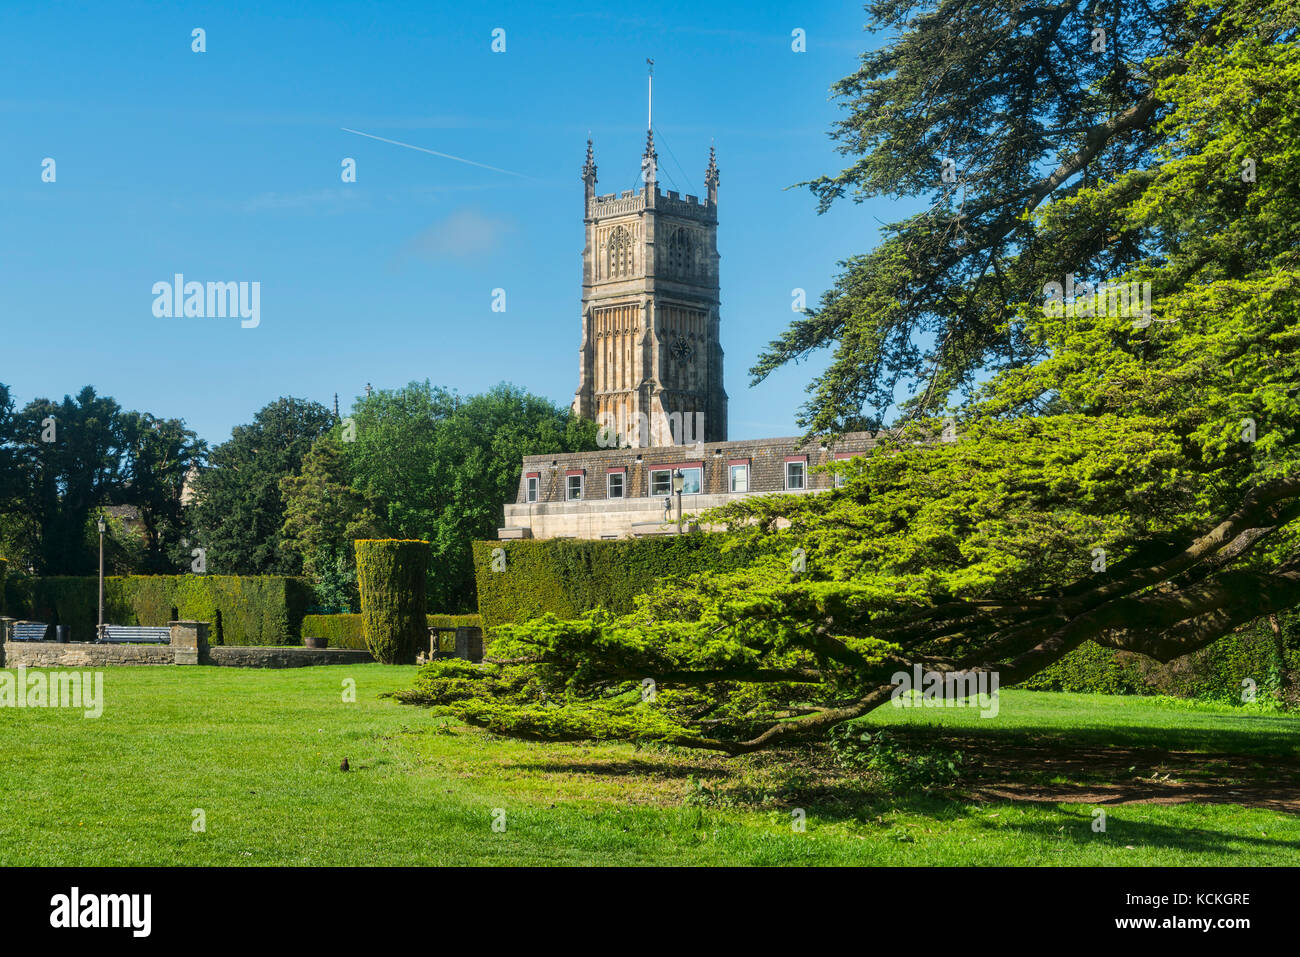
<point>681,253</point>
<point>620,253</point>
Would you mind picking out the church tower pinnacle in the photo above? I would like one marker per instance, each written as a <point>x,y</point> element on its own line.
<point>589,173</point>
<point>650,358</point>
<point>650,159</point>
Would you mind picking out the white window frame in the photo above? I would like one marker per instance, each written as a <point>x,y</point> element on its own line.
<point>670,471</point>
<point>731,478</point>
<point>568,487</point>
<point>667,491</point>
<point>699,485</point>
<point>532,488</point>
<point>622,484</point>
<point>803,476</point>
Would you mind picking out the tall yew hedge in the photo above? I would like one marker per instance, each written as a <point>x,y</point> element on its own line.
<point>243,610</point>
<point>569,576</point>
<point>391,576</point>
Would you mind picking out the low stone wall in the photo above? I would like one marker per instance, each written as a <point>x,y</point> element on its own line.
<point>254,656</point>
<point>189,646</point>
<point>54,654</point>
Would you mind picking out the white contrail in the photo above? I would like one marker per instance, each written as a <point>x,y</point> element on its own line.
<point>495,169</point>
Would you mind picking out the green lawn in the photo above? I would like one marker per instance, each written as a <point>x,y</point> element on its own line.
<point>259,752</point>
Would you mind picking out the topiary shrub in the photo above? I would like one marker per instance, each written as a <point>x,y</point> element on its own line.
<point>390,576</point>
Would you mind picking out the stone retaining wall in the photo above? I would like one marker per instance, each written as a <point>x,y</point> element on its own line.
<point>254,656</point>
<point>54,654</point>
<point>189,646</point>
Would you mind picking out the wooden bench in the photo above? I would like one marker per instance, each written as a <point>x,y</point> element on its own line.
<point>29,631</point>
<point>136,634</point>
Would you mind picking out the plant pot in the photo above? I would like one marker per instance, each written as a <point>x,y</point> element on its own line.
<point>315,642</point>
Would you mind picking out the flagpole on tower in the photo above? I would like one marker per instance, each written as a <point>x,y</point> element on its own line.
<point>650,97</point>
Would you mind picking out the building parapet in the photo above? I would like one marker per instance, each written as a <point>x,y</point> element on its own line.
<point>633,201</point>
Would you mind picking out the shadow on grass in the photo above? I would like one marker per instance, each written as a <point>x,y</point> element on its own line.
<point>630,767</point>
<point>1043,766</point>
<point>1070,826</point>
<point>1268,736</point>
<point>1122,833</point>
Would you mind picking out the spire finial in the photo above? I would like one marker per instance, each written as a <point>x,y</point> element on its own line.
<point>589,168</point>
<point>650,159</point>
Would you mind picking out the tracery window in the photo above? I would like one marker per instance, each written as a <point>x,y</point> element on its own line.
<point>619,251</point>
<point>681,252</point>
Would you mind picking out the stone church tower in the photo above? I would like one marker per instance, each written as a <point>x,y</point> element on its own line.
<point>650,363</point>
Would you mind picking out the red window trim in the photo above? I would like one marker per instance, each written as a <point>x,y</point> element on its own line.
<point>731,462</point>
<point>535,475</point>
<point>674,467</point>
<point>569,472</point>
<point>616,468</point>
<point>797,458</point>
<point>848,455</point>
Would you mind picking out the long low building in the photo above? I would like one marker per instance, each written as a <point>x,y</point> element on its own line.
<point>626,492</point>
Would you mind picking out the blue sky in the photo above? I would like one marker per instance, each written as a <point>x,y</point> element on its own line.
<point>225,166</point>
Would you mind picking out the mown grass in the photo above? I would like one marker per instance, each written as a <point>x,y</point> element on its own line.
<point>259,753</point>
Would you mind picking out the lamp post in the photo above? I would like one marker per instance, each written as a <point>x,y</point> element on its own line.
<point>99,632</point>
<point>679,480</point>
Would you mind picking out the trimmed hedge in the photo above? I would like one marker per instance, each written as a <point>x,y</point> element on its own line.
<point>348,631</point>
<point>1213,673</point>
<point>390,577</point>
<point>569,576</point>
<point>243,610</point>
